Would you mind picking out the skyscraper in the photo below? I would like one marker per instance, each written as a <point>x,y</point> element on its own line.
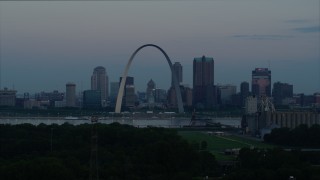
<point>150,87</point>
<point>129,81</point>
<point>100,81</point>
<point>70,95</point>
<point>204,92</point>
<point>261,82</point>
<point>114,88</point>
<point>244,91</point>
<point>186,94</point>
<point>92,99</point>
<point>129,97</point>
<point>225,93</point>
<point>281,91</point>
<point>160,95</point>
<point>177,70</point>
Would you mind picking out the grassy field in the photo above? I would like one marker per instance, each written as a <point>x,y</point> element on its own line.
<point>217,144</point>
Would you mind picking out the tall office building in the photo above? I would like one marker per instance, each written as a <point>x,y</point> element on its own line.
<point>244,89</point>
<point>92,99</point>
<point>141,97</point>
<point>204,92</point>
<point>100,81</point>
<point>225,93</point>
<point>129,80</point>
<point>186,95</point>
<point>114,88</point>
<point>261,82</point>
<point>281,91</point>
<point>129,97</point>
<point>160,95</point>
<point>244,92</point>
<point>150,87</point>
<point>177,70</point>
<point>317,98</point>
<point>70,95</point>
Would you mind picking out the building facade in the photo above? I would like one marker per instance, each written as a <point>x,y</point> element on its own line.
<point>100,82</point>
<point>186,95</point>
<point>150,87</point>
<point>264,122</point>
<point>251,105</point>
<point>160,96</point>
<point>280,92</point>
<point>177,70</point>
<point>225,93</point>
<point>244,91</point>
<point>7,97</point>
<point>50,97</point>
<point>70,95</point>
<point>261,82</point>
<point>129,96</point>
<point>114,88</point>
<point>204,91</point>
<point>304,100</point>
<point>92,99</point>
<point>317,98</point>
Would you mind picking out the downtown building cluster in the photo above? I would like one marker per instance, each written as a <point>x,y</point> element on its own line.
<point>204,94</point>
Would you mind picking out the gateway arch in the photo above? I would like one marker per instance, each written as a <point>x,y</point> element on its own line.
<point>124,78</point>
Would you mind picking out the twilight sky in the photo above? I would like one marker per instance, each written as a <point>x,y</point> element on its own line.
<point>44,45</point>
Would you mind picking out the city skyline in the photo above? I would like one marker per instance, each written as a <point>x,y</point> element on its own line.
<point>39,43</point>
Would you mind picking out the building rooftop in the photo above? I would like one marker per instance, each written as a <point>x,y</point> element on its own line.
<point>151,83</point>
<point>261,70</point>
<point>203,58</point>
<point>7,90</point>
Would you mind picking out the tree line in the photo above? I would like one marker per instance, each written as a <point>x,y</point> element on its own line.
<point>301,136</point>
<point>124,152</point>
<point>61,152</point>
<point>275,164</point>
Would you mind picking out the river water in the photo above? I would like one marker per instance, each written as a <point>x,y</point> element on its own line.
<point>167,123</point>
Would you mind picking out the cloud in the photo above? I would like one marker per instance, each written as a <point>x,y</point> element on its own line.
<point>263,37</point>
<point>310,29</point>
